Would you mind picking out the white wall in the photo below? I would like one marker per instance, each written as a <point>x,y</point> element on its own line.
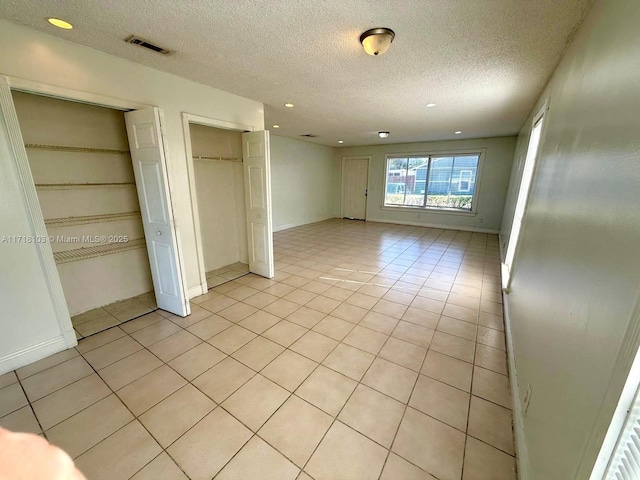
<point>27,317</point>
<point>577,271</point>
<point>28,326</point>
<point>220,192</point>
<point>305,181</point>
<point>490,197</point>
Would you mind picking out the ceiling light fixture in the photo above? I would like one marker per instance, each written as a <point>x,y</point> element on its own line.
<point>430,105</point>
<point>288,105</point>
<point>57,22</point>
<point>383,134</point>
<point>340,141</point>
<point>377,40</point>
<point>458,132</point>
<point>276,126</point>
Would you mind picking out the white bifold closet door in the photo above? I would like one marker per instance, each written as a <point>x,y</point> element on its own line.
<point>257,188</point>
<point>149,166</point>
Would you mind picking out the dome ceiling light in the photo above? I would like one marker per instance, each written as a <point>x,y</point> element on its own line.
<point>377,40</point>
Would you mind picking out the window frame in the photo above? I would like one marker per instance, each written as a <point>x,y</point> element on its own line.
<point>508,264</point>
<point>469,181</point>
<point>625,414</point>
<point>481,152</point>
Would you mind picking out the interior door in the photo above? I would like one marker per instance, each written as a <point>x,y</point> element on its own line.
<point>257,192</point>
<point>355,176</point>
<point>147,152</point>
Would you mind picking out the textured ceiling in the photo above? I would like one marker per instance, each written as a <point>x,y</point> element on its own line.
<point>483,62</point>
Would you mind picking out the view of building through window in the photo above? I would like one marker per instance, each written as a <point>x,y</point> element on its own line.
<point>442,181</point>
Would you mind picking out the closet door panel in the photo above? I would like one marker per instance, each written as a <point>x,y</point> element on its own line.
<point>257,184</point>
<point>149,166</point>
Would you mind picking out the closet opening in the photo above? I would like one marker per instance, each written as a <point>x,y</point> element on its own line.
<point>220,192</point>
<point>81,165</point>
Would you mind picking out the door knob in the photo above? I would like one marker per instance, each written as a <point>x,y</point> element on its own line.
<point>159,232</point>
<point>257,215</point>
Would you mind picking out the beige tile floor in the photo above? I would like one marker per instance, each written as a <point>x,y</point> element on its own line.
<point>377,352</point>
<point>223,275</point>
<point>103,318</point>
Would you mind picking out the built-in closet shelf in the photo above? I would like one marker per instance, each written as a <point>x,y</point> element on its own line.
<point>97,251</point>
<point>77,186</point>
<point>69,221</point>
<point>63,148</point>
<point>204,158</point>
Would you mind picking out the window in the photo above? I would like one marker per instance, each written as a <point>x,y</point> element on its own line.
<point>464,182</point>
<point>523,194</point>
<point>618,457</point>
<point>443,182</point>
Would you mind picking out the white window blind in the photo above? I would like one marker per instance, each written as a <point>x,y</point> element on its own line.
<point>625,461</point>
<point>618,458</point>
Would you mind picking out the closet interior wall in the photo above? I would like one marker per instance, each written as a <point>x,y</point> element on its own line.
<point>81,165</point>
<point>220,192</point>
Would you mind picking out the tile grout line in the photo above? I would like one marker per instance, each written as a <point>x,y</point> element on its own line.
<point>406,407</point>
<point>335,418</point>
<point>347,401</point>
<point>120,322</point>
<point>24,392</point>
<point>114,392</point>
<point>136,417</point>
<point>254,434</point>
<point>475,347</point>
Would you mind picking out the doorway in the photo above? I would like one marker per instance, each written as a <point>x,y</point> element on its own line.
<point>236,222</point>
<point>355,181</point>
<point>217,165</point>
<point>87,188</point>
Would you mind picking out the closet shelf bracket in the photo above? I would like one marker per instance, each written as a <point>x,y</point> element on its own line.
<point>88,219</point>
<point>64,148</point>
<point>204,158</point>
<point>97,251</point>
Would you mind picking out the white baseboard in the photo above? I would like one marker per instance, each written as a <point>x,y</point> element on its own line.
<point>522,456</point>
<point>434,225</point>
<point>287,226</point>
<point>197,291</point>
<point>32,354</point>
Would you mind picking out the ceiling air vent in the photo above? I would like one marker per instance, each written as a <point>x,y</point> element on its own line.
<point>309,135</point>
<point>146,44</point>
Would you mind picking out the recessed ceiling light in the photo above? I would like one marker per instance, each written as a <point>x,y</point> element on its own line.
<point>458,132</point>
<point>430,105</point>
<point>57,22</point>
<point>383,134</point>
<point>340,141</point>
<point>288,105</point>
<point>276,126</point>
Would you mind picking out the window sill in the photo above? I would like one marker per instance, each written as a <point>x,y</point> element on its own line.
<point>445,211</point>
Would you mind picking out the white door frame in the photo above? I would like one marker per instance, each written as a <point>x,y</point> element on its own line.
<point>52,277</point>
<point>188,118</point>
<point>29,86</point>
<point>36,219</point>
<point>342,189</point>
